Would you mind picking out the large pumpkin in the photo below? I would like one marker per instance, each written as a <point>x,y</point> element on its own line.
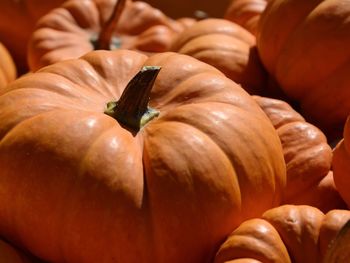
<point>94,189</point>
<point>300,234</point>
<point>341,164</point>
<point>17,22</point>
<point>246,13</point>
<point>307,155</point>
<point>304,46</point>
<point>226,46</point>
<point>8,70</point>
<point>78,27</point>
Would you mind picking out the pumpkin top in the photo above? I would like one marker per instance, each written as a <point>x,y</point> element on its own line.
<point>209,156</point>
<point>74,28</point>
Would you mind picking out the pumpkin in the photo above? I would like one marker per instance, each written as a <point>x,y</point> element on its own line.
<point>226,46</point>
<point>8,70</point>
<point>246,13</point>
<point>304,46</point>
<point>78,27</point>
<point>340,164</point>
<point>307,155</point>
<point>339,250</point>
<point>10,254</point>
<point>285,234</point>
<point>17,22</point>
<point>97,186</point>
<point>189,8</point>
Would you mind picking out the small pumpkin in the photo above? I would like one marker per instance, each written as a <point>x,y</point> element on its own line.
<point>307,155</point>
<point>284,234</point>
<point>17,22</point>
<point>73,151</point>
<point>304,46</point>
<point>340,164</point>
<point>226,46</point>
<point>246,13</point>
<point>8,70</point>
<point>77,27</point>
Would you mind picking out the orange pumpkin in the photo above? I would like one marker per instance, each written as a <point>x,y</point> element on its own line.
<point>339,249</point>
<point>304,46</point>
<point>180,8</point>
<point>246,13</point>
<point>110,190</point>
<point>284,234</point>
<point>10,254</point>
<point>226,46</point>
<point>307,155</point>
<point>17,22</point>
<point>7,67</point>
<point>341,164</point>
<point>78,27</point>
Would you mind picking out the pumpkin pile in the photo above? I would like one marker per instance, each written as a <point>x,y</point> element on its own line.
<point>134,131</point>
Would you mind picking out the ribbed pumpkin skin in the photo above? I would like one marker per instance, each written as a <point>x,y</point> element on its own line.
<point>341,164</point>
<point>17,22</point>
<point>304,46</point>
<point>8,70</point>
<point>66,32</point>
<point>226,46</point>
<point>284,234</point>
<point>246,13</point>
<point>307,155</point>
<point>170,193</point>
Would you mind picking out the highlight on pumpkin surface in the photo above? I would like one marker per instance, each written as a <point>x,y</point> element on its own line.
<point>171,131</point>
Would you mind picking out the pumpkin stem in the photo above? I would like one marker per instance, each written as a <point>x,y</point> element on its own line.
<point>132,110</point>
<point>106,40</point>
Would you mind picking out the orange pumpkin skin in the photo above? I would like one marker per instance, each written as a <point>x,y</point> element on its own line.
<point>339,249</point>
<point>17,22</point>
<point>226,46</point>
<point>8,70</point>
<point>246,13</point>
<point>340,164</point>
<point>110,195</point>
<point>9,254</point>
<point>307,155</point>
<point>284,234</point>
<point>295,40</point>
<point>188,8</point>
<point>67,32</point>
